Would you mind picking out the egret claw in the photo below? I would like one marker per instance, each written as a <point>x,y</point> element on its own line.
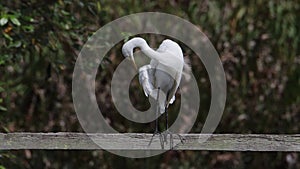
<point>165,134</point>
<point>160,139</point>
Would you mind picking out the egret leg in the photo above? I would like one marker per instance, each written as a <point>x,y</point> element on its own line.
<point>170,133</point>
<point>167,131</point>
<point>156,132</point>
<point>167,127</point>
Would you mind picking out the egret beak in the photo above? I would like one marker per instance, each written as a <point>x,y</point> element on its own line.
<point>133,62</point>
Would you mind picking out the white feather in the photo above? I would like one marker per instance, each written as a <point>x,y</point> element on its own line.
<point>164,71</point>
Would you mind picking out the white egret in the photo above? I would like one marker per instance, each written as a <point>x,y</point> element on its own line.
<point>160,79</point>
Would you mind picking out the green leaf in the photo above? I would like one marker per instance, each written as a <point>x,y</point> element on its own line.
<point>65,12</point>
<point>98,6</point>
<point>28,28</point>
<point>241,13</point>
<point>3,21</point>
<point>6,130</point>
<point>3,109</point>
<point>16,44</point>
<point>15,21</point>
<point>2,167</point>
<point>7,36</point>
<point>126,35</point>
<point>28,18</point>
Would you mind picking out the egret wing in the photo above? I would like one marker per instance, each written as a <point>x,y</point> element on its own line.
<point>145,79</point>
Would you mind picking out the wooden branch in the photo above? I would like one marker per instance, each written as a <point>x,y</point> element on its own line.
<point>139,141</point>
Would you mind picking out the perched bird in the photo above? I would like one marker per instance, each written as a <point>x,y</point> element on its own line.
<point>160,79</point>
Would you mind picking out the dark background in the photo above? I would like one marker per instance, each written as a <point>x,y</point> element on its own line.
<point>258,43</point>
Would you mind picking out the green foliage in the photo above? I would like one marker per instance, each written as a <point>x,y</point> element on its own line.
<point>258,42</point>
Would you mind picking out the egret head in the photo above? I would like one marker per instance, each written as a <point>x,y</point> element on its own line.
<point>127,51</point>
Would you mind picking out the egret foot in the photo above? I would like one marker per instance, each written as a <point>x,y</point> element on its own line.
<point>165,134</point>
<point>160,139</point>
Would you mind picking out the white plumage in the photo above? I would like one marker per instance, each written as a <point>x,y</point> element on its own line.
<point>160,79</point>
<point>164,71</point>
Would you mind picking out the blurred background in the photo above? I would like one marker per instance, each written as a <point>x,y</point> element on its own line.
<point>258,43</point>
